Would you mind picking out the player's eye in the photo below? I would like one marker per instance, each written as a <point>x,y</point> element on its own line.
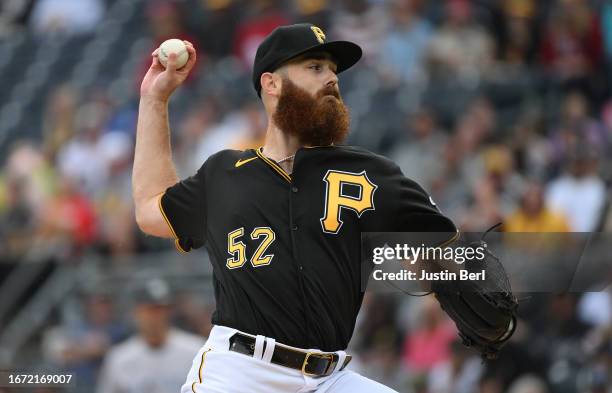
<point>316,67</point>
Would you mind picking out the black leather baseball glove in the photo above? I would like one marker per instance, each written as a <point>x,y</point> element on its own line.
<point>483,310</point>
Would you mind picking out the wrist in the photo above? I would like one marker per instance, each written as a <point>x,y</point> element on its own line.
<point>153,99</point>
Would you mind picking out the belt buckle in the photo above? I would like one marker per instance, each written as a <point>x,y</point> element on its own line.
<point>329,356</point>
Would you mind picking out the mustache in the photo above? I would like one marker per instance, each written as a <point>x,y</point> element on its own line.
<point>329,91</point>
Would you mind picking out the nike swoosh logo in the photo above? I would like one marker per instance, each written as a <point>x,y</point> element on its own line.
<point>432,201</point>
<point>240,163</point>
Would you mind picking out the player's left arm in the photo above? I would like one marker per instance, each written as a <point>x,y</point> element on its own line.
<point>417,212</point>
<point>484,312</point>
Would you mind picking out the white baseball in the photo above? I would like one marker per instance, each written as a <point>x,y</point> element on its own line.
<point>173,45</point>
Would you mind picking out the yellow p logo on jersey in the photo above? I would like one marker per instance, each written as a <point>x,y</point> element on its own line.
<point>318,33</point>
<point>336,200</point>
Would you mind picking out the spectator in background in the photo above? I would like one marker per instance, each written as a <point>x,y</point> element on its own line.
<point>17,221</point>
<point>27,163</point>
<point>238,129</point>
<point>537,253</point>
<point>580,194</point>
<point>68,219</point>
<point>572,46</point>
<point>562,323</point>
<point>428,345</point>
<point>364,23</point>
<point>166,21</point>
<point>255,124</point>
<point>114,204</point>
<point>264,16</point>
<point>194,128</point>
<point>559,335</point>
<point>117,230</point>
<point>28,182</point>
<point>531,150</point>
<point>79,346</point>
<point>475,125</point>
<point>450,189</point>
<point>214,22</point>
<point>378,341</point>
<point>377,322</point>
<point>74,158</point>
<point>405,45</point>
<point>499,168</point>
<point>512,77</point>
<point>382,360</point>
<point>600,371</point>
<point>460,374</point>
<point>58,123</point>
<point>482,116</point>
<point>484,210</point>
<point>518,45</point>
<point>519,355</point>
<point>465,184</point>
<point>533,215</point>
<point>460,49</point>
<point>418,152</point>
<point>66,16</point>
<point>576,128</point>
<point>316,12</point>
<point>193,312</point>
<point>155,360</point>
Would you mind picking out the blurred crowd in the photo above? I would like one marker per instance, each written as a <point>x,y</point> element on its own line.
<point>500,109</point>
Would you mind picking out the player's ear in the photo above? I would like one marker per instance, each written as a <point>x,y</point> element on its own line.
<point>271,84</point>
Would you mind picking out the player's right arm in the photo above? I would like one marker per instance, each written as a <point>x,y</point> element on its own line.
<point>153,170</point>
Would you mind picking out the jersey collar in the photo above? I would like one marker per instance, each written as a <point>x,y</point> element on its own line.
<point>272,164</point>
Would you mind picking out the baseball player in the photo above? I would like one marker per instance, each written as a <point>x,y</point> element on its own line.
<point>281,223</point>
<point>154,360</point>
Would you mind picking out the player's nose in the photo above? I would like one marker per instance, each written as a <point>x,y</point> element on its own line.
<point>332,78</point>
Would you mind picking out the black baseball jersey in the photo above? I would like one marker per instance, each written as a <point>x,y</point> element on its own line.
<point>286,248</point>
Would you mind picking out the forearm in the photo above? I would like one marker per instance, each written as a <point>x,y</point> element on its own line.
<point>153,170</point>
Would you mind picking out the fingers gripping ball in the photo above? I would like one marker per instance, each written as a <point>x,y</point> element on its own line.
<point>173,45</point>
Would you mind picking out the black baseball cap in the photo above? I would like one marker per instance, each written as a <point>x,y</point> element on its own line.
<point>288,42</point>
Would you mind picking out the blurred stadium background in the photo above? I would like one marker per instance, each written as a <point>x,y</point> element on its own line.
<point>501,109</point>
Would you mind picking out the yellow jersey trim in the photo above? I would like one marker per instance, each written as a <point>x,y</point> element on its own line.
<point>451,240</point>
<point>273,165</point>
<point>176,240</point>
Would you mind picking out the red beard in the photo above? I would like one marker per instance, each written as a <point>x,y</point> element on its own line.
<point>316,121</point>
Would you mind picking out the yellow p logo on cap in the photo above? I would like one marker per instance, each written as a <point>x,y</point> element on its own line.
<point>318,33</point>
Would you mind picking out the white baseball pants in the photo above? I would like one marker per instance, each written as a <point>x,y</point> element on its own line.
<point>215,369</point>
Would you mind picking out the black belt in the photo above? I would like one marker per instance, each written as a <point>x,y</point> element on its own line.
<point>312,364</point>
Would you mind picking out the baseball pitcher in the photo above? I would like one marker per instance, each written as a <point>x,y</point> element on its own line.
<point>282,223</point>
